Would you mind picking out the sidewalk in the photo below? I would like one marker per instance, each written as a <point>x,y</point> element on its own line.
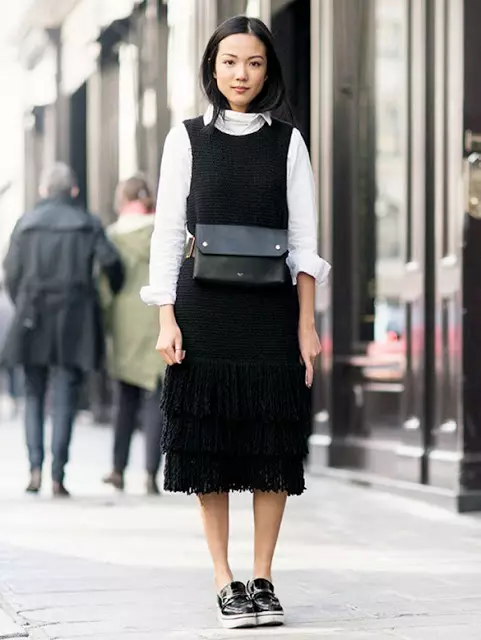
<point>352,564</point>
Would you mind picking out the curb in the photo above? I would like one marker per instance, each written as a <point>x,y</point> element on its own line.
<point>273,633</point>
<point>9,628</point>
<point>15,625</point>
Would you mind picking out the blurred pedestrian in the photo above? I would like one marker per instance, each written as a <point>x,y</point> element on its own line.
<point>57,330</point>
<point>9,375</point>
<point>132,328</point>
<point>233,328</point>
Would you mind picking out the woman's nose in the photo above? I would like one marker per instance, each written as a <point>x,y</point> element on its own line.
<point>241,72</point>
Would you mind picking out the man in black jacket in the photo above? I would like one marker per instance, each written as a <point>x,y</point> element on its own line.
<point>57,330</point>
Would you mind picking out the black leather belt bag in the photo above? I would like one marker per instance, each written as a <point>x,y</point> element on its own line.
<point>240,255</point>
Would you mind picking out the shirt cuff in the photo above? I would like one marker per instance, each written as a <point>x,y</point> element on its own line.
<point>151,296</point>
<point>310,263</point>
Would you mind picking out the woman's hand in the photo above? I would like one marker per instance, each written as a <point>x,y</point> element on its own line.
<point>310,347</point>
<point>309,343</point>
<point>169,342</point>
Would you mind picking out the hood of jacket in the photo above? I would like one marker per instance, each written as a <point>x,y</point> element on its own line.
<point>131,235</point>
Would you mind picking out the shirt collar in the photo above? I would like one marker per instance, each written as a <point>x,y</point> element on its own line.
<point>237,116</point>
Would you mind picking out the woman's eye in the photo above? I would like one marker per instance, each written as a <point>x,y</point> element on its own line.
<point>229,63</point>
<point>256,64</point>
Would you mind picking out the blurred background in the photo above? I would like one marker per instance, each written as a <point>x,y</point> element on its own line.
<point>385,93</point>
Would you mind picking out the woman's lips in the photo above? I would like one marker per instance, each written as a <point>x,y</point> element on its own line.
<point>240,89</point>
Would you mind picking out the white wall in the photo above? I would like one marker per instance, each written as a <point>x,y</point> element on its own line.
<point>11,122</point>
<point>11,150</point>
<point>182,60</point>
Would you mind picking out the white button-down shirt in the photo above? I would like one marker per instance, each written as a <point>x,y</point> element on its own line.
<point>169,236</point>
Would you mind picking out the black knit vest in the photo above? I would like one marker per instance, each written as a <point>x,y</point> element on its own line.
<point>238,179</point>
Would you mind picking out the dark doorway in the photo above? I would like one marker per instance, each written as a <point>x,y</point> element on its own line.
<point>291,27</point>
<point>78,139</point>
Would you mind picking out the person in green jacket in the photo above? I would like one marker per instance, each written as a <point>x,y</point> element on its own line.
<point>132,329</point>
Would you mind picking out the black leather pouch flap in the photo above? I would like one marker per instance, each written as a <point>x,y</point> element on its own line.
<point>237,240</point>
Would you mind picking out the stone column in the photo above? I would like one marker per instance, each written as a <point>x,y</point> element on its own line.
<point>265,13</point>
<point>103,137</point>
<point>206,21</point>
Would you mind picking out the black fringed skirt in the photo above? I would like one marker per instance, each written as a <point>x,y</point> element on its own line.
<point>237,411</point>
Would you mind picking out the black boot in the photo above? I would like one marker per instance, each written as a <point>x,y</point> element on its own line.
<point>152,486</point>
<point>59,490</point>
<point>35,481</point>
<point>116,479</point>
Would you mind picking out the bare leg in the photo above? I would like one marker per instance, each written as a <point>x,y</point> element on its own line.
<point>214,509</point>
<point>268,512</point>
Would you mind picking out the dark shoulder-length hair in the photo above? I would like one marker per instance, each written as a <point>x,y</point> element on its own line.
<point>273,95</point>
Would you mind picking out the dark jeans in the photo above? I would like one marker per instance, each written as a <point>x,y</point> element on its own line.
<point>129,403</point>
<point>65,389</point>
<point>15,383</point>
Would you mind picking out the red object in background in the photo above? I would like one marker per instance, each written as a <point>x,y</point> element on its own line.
<point>392,346</point>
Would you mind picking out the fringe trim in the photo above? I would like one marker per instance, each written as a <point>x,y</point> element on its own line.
<point>246,438</point>
<point>203,473</point>
<point>238,391</point>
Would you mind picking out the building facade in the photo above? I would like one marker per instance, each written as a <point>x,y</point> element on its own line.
<point>398,400</point>
<point>96,72</point>
<point>385,93</point>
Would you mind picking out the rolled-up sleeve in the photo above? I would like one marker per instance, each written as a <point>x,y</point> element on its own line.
<point>168,237</point>
<point>303,216</point>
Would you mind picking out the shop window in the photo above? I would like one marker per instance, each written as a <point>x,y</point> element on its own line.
<point>390,166</point>
<point>389,130</point>
<point>390,39</point>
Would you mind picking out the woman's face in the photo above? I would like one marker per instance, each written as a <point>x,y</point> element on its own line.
<point>240,69</point>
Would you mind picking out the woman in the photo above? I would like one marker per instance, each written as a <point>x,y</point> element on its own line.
<point>236,397</point>
<point>132,328</point>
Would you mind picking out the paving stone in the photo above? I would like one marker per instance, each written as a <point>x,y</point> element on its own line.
<point>285,633</point>
<point>9,629</point>
<point>467,631</point>
<point>352,563</point>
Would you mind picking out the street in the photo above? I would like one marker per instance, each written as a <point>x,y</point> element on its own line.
<point>352,563</point>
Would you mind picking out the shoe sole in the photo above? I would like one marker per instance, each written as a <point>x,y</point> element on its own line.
<point>270,619</point>
<point>114,485</point>
<point>237,622</point>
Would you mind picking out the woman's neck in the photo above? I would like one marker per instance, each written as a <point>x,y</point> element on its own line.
<point>237,109</point>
